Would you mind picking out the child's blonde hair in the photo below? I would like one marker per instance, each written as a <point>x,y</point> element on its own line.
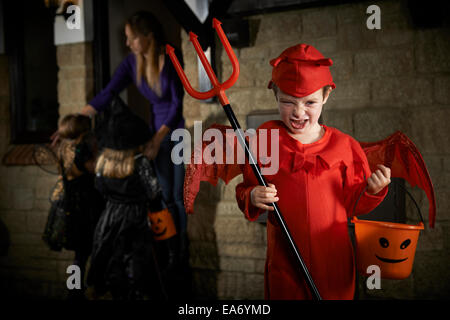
<point>73,126</point>
<point>71,129</point>
<point>116,163</point>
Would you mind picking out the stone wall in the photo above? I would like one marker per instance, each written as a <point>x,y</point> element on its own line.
<point>396,78</point>
<point>27,267</point>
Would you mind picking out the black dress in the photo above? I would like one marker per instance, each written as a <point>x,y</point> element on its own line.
<point>122,259</point>
<point>83,206</point>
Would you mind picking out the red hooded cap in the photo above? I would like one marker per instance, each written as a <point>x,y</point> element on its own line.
<point>301,70</point>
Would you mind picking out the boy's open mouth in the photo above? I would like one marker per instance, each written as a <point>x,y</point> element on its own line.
<point>298,124</point>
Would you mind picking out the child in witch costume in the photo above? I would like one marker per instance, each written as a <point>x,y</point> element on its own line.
<point>322,174</point>
<point>123,260</point>
<point>76,204</point>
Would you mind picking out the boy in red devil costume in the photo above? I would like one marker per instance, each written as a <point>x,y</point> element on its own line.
<point>322,174</point>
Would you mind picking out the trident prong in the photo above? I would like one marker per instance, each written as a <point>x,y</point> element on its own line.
<point>218,88</point>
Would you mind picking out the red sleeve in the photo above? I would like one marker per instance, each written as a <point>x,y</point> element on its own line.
<point>357,200</point>
<point>243,190</point>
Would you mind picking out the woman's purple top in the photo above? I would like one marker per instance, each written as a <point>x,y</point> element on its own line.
<point>167,109</point>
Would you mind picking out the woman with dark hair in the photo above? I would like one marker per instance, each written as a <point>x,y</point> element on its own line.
<point>153,74</point>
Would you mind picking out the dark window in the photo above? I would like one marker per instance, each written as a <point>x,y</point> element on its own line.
<point>33,70</point>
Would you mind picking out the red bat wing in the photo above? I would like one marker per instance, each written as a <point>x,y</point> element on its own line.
<point>400,154</point>
<point>202,171</point>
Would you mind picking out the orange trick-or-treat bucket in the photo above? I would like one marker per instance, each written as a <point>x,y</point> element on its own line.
<point>162,225</point>
<point>391,246</point>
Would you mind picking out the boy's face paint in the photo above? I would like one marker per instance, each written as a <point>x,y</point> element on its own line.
<point>301,115</point>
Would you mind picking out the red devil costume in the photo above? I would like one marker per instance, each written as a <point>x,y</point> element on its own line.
<point>319,185</point>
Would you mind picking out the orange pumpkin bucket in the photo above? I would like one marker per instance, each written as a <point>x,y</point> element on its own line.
<point>391,246</point>
<point>162,225</point>
<point>388,245</point>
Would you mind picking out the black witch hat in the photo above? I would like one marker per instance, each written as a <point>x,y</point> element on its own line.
<point>119,128</point>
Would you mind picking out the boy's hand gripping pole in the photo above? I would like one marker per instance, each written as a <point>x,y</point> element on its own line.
<point>219,91</point>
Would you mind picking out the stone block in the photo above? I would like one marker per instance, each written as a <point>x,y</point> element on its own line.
<point>44,186</point>
<point>278,28</point>
<point>71,107</point>
<point>427,131</point>
<point>22,198</point>
<point>241,101</point>
<point>377,124</point>
<point>41,251</point>
<point>318,23</point>
<point>390,289</point>
<point>402,91</point>
<point>391,38</point>
<point>435,167</point>
<point>431,277</point>
<point>354,37</point>
<point>446,235</point>
<point>245,250</point>
<point>263,99</point>
<point>75,72</point>
<point>431,239</point>
<point>80,54</point>
<point>254,286</point>
<point>442,204</point>
<point>191,109</point>
<point>351,13</point>
<point>260,266</point>
<point>207,285</point>
<point>352,89</point>
<point>19,176</point>
<point>222,285</point>
<point>229,209</point>
<point>339,119</point>
<point>431,51</point>
<point>5,197</point>
<point>34,274</point>
<point>204,255</point>
<point>442,90</point>
<point>25,239</point>
<point>261,72</point>
<point>41,205</point>
<point>251,53</point>
<point>199,229</point>
<point>342,68</point>
<point>35,221</point>
<point>238,230</point>
<point>379,63</point>
<point>230,189</point>
<point>236,264</point>
<point>63,55</point>
<point>15,221</point>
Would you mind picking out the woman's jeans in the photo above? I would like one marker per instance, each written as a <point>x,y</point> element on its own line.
<point>171,179</point>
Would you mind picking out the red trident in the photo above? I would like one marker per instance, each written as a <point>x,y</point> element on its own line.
<point>219,91</point>
<point>218,88</point>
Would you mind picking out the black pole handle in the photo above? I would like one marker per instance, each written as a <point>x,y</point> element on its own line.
<point>256,170</point>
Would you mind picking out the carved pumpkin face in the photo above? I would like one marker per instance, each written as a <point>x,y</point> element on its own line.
<point>389,245</point>
<point>162,225</point>
<point>395,255</point>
